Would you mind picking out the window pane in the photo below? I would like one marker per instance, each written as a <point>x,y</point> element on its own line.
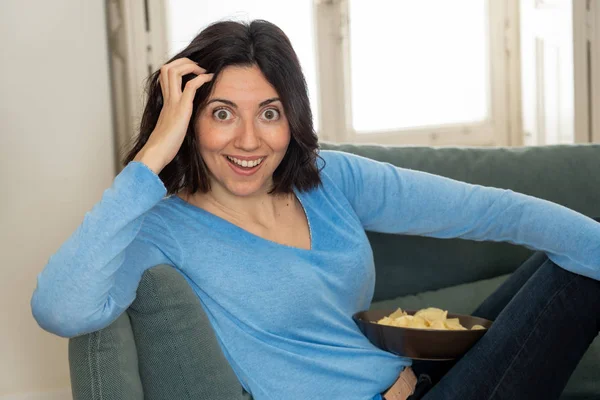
<point>186,18</point>
<point>418,63</point>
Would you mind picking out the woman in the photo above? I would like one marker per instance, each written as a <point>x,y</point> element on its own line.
<point>252,203</point>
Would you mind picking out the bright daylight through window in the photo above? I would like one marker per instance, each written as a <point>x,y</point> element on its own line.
<point>420,63</point>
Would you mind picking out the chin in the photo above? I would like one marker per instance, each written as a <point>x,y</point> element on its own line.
<point>244,190</point>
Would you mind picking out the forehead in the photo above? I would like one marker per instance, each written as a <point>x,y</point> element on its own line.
<point>243,84</point>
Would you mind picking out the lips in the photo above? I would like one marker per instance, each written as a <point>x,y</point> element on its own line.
<point>240,169</point>
<point>245,162</point>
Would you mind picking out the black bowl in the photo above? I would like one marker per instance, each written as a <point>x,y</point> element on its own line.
<point>420,344</point>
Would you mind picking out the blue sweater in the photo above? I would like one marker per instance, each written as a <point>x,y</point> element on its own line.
<point>282,315</point>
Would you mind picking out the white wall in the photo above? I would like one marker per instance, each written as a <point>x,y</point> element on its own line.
<point>56,158</point>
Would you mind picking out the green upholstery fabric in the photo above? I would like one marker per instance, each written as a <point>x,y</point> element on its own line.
<point>409,264</point>
<point>104,364</point>
<point>179,356</point>
<point>461,299</point>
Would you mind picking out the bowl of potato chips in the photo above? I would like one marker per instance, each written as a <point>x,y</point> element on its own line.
<point>426,334</point>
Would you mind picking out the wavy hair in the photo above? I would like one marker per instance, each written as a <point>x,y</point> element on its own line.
<point>232,43</point>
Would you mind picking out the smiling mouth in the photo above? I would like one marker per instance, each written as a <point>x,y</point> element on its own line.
<point>244,163</point>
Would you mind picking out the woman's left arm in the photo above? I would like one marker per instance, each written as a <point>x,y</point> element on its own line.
<point>396,200</point>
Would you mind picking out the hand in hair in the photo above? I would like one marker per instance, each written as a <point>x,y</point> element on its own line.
<point>167,137</point>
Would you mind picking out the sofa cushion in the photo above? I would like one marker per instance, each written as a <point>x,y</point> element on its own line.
<point>406,265</point>
<point>179,356</point>
<point>104,364</point>
<point>460,299</point>
<point>464,299</point>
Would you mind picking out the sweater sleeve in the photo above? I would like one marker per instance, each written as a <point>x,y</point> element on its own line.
<point>94,275</point>
<point>389,199</point>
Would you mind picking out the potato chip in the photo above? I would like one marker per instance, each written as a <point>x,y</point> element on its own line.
<point>426,318</point>
<point>453,324</point>
<point>386,321</point>
<point>398,313</point>
<point>432,314</point>
<point>404,321</point>
<point>439,324</point>
<point>415,322</point>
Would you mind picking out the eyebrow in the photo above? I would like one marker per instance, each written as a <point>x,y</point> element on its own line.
<point>232,104</point>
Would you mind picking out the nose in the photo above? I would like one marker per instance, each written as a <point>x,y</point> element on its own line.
<point>247,136</point>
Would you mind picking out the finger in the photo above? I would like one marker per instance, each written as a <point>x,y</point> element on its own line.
<point>164,83</point>
<point>179,61</point>
<point>164,74</point>
<point>190,88</point>
<point>176,77</point>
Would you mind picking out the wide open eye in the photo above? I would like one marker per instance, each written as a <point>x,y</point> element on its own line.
<point>222,114</point>
<point>270,114</point>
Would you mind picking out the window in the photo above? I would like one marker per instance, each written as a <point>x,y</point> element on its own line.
<point>411,67</point>
<point>426,72</point>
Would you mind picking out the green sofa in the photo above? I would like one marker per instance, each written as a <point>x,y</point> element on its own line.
<point>163,347</point>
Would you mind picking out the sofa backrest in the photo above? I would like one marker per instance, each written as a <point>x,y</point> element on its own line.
<point>565,174</point>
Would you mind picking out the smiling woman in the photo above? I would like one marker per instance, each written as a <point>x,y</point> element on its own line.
<point>226,183</point>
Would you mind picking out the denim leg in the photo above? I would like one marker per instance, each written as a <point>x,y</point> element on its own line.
<point>535,343</point>
<point>489,309</point>
<point>495,303</point>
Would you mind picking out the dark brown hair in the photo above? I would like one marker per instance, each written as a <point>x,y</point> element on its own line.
<point>230,43</point>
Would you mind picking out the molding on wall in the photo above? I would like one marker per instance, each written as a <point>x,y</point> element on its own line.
<point>137,37</point>
<point>581,82</point>
<point>594,68</point>
<point>63,394</point>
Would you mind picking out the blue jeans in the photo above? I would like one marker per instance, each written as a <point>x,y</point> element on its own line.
<point>544,320</point>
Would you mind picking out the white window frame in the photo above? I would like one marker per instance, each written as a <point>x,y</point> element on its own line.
<point>502,128</point>
<point>138,44</point>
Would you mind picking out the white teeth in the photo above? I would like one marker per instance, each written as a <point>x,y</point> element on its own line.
<point>245,163</point>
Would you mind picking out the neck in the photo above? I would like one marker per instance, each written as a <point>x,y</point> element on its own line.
<point>260,208</point>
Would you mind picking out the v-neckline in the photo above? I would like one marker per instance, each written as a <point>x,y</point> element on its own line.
<point>250,234</point>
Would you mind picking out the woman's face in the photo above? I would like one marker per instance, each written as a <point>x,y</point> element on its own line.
<point>242,132</point>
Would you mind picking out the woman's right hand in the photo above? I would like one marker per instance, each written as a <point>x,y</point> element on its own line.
<point>166,138</point>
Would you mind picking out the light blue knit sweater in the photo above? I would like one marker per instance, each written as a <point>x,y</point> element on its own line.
<point>282,315</point>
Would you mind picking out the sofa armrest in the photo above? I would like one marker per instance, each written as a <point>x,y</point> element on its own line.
<point>179,355</point>
<point>104,364</point>
<point>162,347</point>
